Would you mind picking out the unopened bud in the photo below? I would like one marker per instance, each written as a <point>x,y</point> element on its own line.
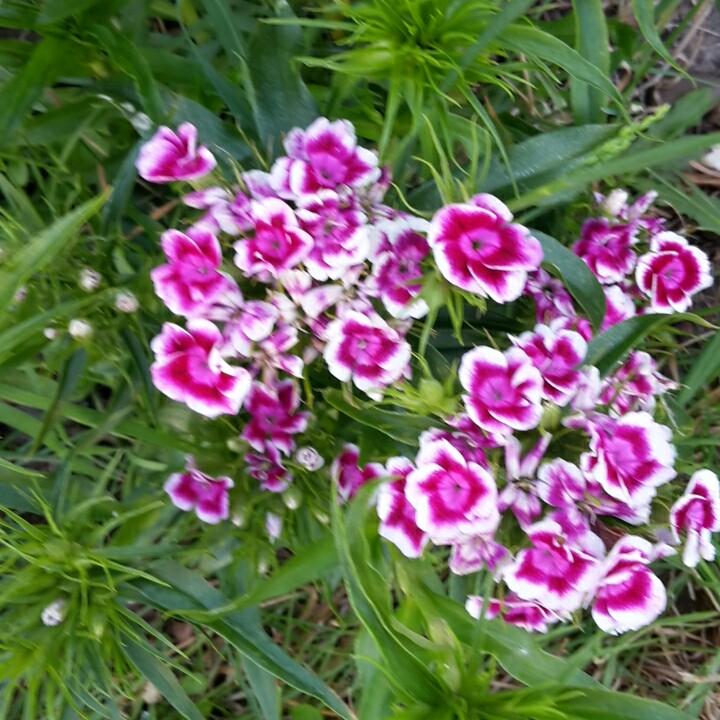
<point>292,498</point>
<point>54,613</point>
<point>615,202</point>
<point>80,329</point>
<point>126,302</point>
<point>89,279</point>
<point>309,458</point>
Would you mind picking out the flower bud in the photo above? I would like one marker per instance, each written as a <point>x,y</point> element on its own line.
<point>80,329</point>
<point>89,279</point>
<point>615,202</point>
<point>309,458</point>
<point>54,613</point>
<point>292,498</point>
<point>126,302</point>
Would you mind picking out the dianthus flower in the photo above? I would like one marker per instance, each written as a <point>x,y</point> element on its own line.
<point>454,499</point>
<point>274,417</point>
<point>194,490</point>
<point>630,457</point>
<point>504,390</point>
<point>279,243</point>
<point>188,368</point>
<point>366,350</point>
<point>168,156</point>
<point>672,272</point>
<point>556,353</point>
<point>325,155</point>
<point>347,473</point>
<point>697,515</point>
<point>553,572</point>
<point>607,248</point>
<point>628,595</point>
<point>397,516</point>
<point>192,280</point>
<point>478,248</point>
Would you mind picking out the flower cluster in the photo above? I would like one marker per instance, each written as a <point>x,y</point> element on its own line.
<point>545,474</point>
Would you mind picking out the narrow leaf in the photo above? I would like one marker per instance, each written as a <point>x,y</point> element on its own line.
<point>609,348</point>
<point>576,275</point>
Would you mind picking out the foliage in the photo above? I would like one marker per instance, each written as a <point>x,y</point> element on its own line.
<point>460,97</point>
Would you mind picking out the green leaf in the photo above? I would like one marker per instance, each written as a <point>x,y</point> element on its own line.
<point>370,598</point>
<point>687,199</point>
<point>403,427</point>
<point>703,371</point>
<point>11,467</point>
<point>576,275</point>
<point>644,11</point>
<point>315,561</point>
<point>516,650</point>
<point>628,162</point>
<point>190,591</point>
<point>512,10</point>
<point>531,41</point>
<point>546,152</point>
<point>122,188</point>
<point>601,704</point>
<point>41,250</point>
<point>69,377</point>
<point>127,58</point>
<point>265,689</point>
<point>154,671</point>
<point>20,92</point>
<point>610,347</point>
<point>55,10</point>
<point>593,44</point>
<point>281,100</point>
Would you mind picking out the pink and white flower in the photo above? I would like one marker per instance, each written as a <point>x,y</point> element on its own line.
<point>552,300</point>
<point>325,155</point>
<point>504,390</point>
<point>553,572</point>
<point>474,554</point>
<point>349,476</point>
<point>194,490</point>
<point>397,516</point>
<point>630,457</point>
<point>168,156</point>
<point>192,280</point>
<point>607,249</point>
<point>520,492</point>
<point>279,242</point>
<point>634,385</point>
<point>366,350</point>
<point>268,470</point>
<point>526,614</point>
<point>619,306</point>
<point>339,231</point>
<point>396,276</point>
<point>672,272</point>
<point>275,419</point>
<point>697,515</point>
<point>478,249</point>
<point>628,596</point>
<point>188,368</point>
<point>454,499</point>
<point>556,353</point>
<point>253,322</point>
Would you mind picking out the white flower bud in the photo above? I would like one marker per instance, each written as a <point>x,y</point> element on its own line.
<point>292,498</point>
<point>50,333</point>
<point>273,526</point>
<point>89,279</point>
<point>20,295</point>
<point>126,302</point>
<point>615,202</point>
<point>80,329</point>
<point>141,122</point>
<point>309,458</point>
<point>54,613</point>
